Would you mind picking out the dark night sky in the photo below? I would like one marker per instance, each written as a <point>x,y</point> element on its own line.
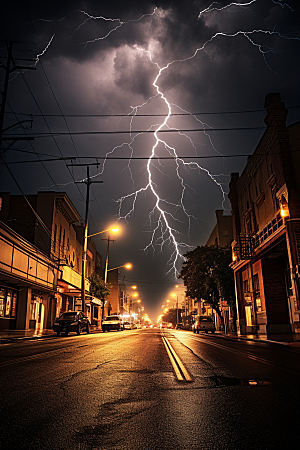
<point>99,61</point>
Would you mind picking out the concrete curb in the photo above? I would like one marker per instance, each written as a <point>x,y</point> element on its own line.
<point>267,341</point>
<point>10,339</point>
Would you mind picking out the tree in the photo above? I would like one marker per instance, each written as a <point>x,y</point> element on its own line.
<point>99,289</point>
<point>207,275</point>
<point>170,316</point>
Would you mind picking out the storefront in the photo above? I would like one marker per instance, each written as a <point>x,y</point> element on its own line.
<point>8,308</point>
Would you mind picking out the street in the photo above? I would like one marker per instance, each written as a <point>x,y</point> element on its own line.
<point>119,390</point>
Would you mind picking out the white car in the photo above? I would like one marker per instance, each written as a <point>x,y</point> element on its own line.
<point>113,322</point>
<point>204,323</point>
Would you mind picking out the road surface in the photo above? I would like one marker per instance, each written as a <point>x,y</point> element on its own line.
<point>147,389</point>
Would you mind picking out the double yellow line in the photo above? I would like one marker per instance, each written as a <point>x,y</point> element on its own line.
<point>180,371</point>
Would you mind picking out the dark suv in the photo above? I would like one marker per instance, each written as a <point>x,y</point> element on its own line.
<point>71,321</point>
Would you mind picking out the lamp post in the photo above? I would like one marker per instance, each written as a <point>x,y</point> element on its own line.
<point>106,259</point>
<point>85,240</point>
<point>127,266</point>
<point>175,295</point>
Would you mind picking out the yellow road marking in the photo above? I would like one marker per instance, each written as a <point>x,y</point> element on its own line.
<point>180,371</point>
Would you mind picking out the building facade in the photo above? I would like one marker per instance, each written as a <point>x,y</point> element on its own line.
<point>51,223</point>
<point>28,283</point>
<point>222,234</point>
<point>265,201</point>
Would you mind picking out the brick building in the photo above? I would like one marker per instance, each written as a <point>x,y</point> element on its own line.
<point>265,203</point>
<point>222,234</point>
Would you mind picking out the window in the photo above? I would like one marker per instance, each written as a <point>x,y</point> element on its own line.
<point>54,238</point>
<point>246,286</point>
<point>256,290</point>
<point>8,303</point>
<point>256,284</point>
<point>2,302</point>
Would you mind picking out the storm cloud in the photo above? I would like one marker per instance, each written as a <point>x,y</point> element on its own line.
<point>100,65</point>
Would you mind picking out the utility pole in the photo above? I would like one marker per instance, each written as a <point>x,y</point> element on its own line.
<point>8,71</point>
<point>88,182</point>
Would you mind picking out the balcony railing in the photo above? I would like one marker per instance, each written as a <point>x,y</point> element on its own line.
<point>267,231</point>
<point>245,245</point>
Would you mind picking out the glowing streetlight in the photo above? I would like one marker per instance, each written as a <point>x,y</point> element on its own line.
<point>85,240</point>
<point>127,266</point>
<point>113,230</point>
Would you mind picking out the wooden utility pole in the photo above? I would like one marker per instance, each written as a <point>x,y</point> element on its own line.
<point>88,182</point>
<point>8,70</point>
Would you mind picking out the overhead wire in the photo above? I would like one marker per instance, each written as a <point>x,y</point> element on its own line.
<point>49,84</point>
<point>34,151</point>
<point>156,115</point>
<point>40,135</point>
<point>112,158</point>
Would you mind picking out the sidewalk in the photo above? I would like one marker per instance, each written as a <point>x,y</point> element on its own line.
<point>282,339</point>
<point>7,336</point>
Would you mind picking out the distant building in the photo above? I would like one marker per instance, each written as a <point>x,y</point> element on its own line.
<point>222,234</point>
<point>265,202</point>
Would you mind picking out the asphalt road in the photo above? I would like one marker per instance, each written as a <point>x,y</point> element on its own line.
<point>118,391</point>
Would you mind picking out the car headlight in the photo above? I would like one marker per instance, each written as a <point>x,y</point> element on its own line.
<point>74,323</point>
<point>56,323</point>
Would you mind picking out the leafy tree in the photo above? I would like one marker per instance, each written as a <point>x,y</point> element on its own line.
<point>207,275</point>
<point>99,289</point>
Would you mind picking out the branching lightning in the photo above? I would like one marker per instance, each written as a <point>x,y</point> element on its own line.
<point>163,222</point>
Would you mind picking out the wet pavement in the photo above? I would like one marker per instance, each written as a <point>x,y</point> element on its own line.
<point>118,391</point>
<point>7,336</point>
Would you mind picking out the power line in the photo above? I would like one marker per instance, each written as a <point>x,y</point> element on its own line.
<point>136,132</point>
<point>153,115</point>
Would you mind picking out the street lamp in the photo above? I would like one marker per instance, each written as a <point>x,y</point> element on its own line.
<point>175,295</point>
<point>107,251</point>
<point>127,266</point>
<point>85,241</point>
<point>114,230</point>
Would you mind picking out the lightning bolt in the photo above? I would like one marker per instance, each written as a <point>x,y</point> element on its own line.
<point>242,5</point>
<point>37,58</point>
<point>162,218</point>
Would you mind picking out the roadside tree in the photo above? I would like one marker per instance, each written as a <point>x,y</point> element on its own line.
<point>99,289</point>
<point>207,275</point>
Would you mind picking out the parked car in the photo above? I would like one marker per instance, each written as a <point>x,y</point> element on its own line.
<point>71,321</point>
<point>127,325</point>
<point>113,322</point>
<point>204,323</point>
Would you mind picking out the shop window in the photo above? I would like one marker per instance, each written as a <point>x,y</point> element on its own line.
<point>14,305</point>
<point>8,303</point>
<point>256,290</point>
<point>32,310</point>
<point>2,302</point>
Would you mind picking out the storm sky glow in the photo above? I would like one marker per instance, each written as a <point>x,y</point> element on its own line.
<point>138,61</point>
